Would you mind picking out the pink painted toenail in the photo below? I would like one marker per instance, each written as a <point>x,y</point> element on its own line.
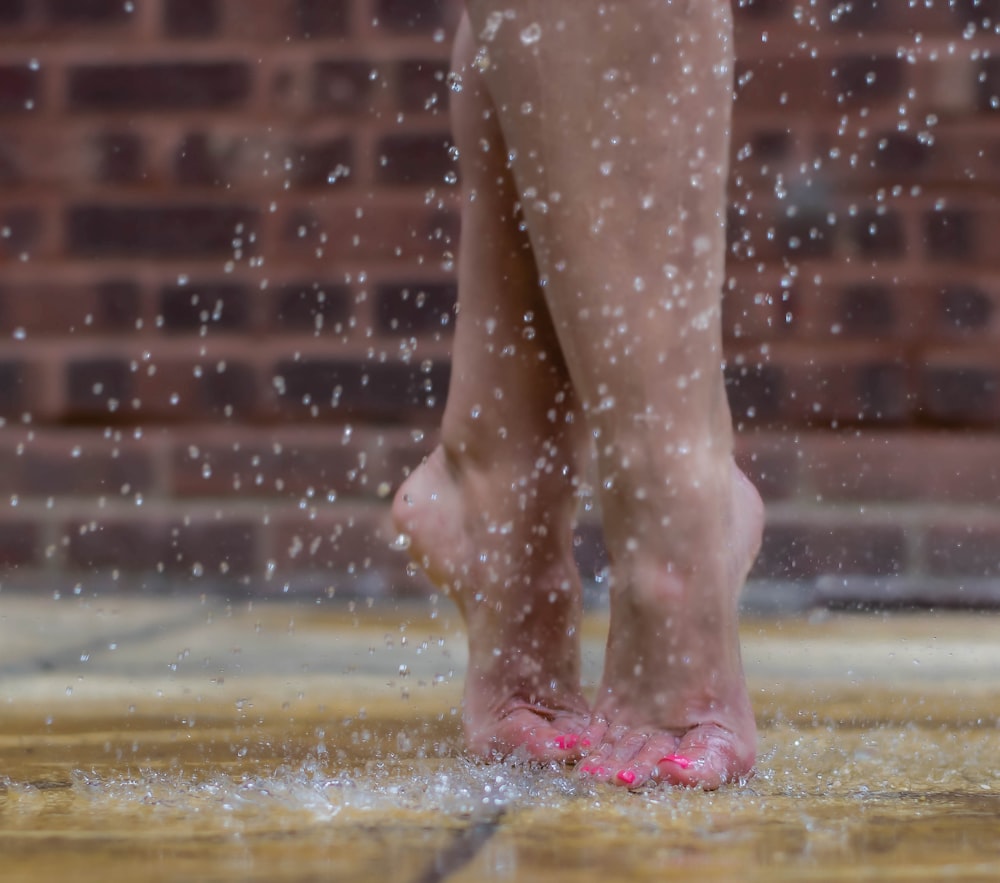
<point>682,762</point>
<point>566,743</point>
<point>585,743</point>
<point>588,769</point>
<point>626,776</point>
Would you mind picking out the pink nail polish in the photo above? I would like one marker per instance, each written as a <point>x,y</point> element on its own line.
<point>682,762</point>
<point>585,743</point>
<point>588,769</point>
<point>566,743</point>
<point>626,776</point>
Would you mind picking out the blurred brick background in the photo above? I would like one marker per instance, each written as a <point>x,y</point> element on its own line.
<point>227,233</point>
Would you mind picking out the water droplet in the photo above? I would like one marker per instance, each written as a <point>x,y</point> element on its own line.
<point>531,34</point>
<point>493,22</point>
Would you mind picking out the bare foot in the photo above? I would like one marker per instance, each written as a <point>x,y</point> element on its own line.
<point>673,705</point>
<point>516,584</point>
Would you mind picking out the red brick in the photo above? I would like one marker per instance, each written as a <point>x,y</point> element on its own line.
<point>17,382</point>
<point>97,388</point>
<point>422,85</point>
<point>20,230</point>
<point>170,231</point>
<point>53,466</point>
<point>159,86</point>
<point>316,19</point>
<point>199,161</point>
<point>773,462</point>
<point>193,547</point>
<point>807,233</point>
<point>337,462</point>
<point>897,16</point>
<point>877,234</point>
<point>989,86</point>
<point>756,392</point>
<point>120,158</point>
<point>414,159</point>
<point>126,544</point>
<point>948,234</point>
<point>70,308</point>
<point>20,542</point>
<point>214,389</point>
<point>864,81</point>
<point>964,550</point>
<point>796,549</point>
<point>11,164</point>
<point>323,164</point>
<point>384,231</point>
<point>410,16</point>
<point>342,389</point>
<point>349,548</point>
<point>966,308</point>
<point>754,12</point>
<point>904,466</point>
<point>20,89</point>
<point>205,307</point>
<point>755,306</point>
<point>846,307</point>
<point>959,387</point>
<point>792,85</point>
<point>415,307</point>
<point>222,548</point>
<point>342,87</point>
<point>982,13</point>
<point>845,384</point>
<point>191,18</point>
<point>13,12</point>
<point>314,306</point>
<point>87,12</point>
<point>861,15</point>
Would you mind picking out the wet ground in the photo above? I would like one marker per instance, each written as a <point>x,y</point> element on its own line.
<point>191,741</point>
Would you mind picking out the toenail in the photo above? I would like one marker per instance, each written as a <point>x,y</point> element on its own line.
<point>565,743</point>
<point>682,762</point>
<point>626,776</point>
<point>585,742</point>
<point>588,769</point>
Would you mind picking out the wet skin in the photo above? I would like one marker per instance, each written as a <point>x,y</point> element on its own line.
<point>589,323</point>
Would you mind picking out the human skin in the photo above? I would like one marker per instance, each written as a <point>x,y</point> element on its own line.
<point>593,141</point>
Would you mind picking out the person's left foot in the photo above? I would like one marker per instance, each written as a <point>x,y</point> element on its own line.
<point>673,705</point>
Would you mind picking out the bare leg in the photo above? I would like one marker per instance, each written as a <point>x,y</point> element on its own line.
<point>617,118</point>
<point>490,513</point>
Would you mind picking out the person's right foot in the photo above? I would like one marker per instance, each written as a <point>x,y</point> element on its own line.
<point>517,587</point>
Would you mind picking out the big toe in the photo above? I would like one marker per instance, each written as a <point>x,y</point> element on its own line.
<point>707,757</point>
<point>526,734</point>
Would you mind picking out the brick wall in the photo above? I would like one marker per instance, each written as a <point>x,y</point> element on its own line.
<point>226,249</point>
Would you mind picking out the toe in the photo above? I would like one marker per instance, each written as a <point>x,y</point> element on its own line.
<point>614,760</point>
<point>530,735</point>
<point>642,767</point>
<point>707,757</point>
